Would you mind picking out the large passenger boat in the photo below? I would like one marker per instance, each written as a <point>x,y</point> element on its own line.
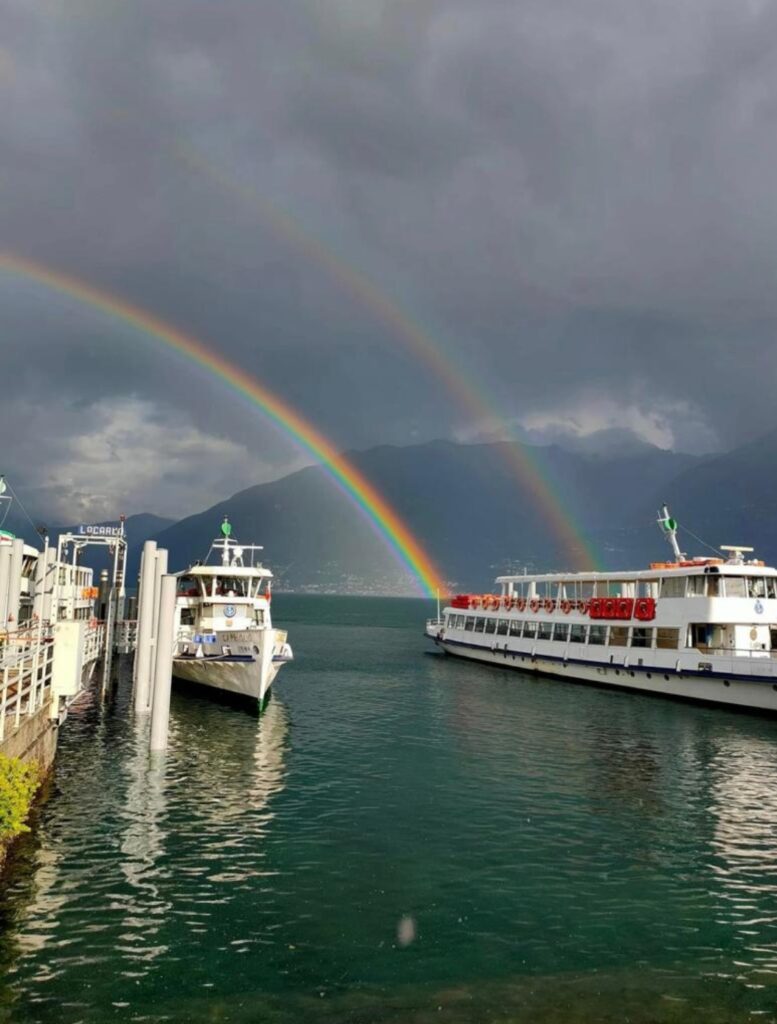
<point>225,637</point>
<point>697,628</point>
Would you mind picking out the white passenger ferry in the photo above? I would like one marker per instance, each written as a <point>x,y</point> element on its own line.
<point>225,637</point>
<point>701,628</point>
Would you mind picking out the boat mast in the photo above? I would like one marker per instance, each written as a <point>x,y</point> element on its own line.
<point>226,529</point>
<point>669,529</point>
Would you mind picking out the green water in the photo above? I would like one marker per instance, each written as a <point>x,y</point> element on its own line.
<point>546,852</point>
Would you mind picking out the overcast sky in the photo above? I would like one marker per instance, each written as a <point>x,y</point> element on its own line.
<point>575,201</point>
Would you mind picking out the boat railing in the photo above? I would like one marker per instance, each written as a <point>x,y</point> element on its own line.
<point>25,677</point>
<point>734,652</point>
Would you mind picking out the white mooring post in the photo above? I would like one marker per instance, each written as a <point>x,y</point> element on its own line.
<point>15,582</point>
<point>145,627</point>
<point>160,569</point>
<point>5,579</point>
<point>163,663</point>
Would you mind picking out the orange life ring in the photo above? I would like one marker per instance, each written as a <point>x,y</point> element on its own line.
<point>507,602</point>
<point>566,607</point>
<point>549,605</point>
<point>520,604</point>
<point>534,604</point>
<point>491,601</point>
<point>474,601</point>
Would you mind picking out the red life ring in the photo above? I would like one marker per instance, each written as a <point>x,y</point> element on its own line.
<point>550,605</point>
<point>520,604</point>
<point>507,602</point>
<point>566,607</point>
<point>534,604</point>
<point>491,601</point>
<point>475,601</point>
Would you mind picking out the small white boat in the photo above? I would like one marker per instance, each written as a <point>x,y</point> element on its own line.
<point>225,638</point>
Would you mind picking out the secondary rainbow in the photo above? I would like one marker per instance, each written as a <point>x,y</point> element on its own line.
<point>477,405</point>
<point>381,515</point>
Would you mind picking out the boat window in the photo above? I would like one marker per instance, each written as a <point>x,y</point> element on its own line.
<point>713,585</point>
<point>619,636</point>
<point>701,634</point>
<point>561,632</point>
<point>756,586</point>
<point>490,626</point>
<point>230,586</point>
<point>597,635</point>
<point>529,629</point>
<point>187,616</point>
<point>502,627</point>
<point>544,630</point>
<point>577,633</point>
<point>641,637</point>
<point>515,627</point>
<point>667,639</point>
<point>673,586</point>
<point>188,586</point>
<point>470,623</point>
<point>771,587</point>
<point>697,586</point>
<point>735,586</point>
<point>479,624</point>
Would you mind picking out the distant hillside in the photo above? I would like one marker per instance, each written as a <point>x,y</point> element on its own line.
<point>474,514</point>
<point>731,498</point>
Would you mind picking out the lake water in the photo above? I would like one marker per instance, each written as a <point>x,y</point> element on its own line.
<point>400,838</point>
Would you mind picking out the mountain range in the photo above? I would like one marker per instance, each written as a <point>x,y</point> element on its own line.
<point>480,509</point>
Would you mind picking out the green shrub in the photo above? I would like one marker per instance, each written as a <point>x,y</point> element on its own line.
<point>18,783</point>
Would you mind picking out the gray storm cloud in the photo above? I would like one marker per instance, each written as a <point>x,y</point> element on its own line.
<point>573,200</point>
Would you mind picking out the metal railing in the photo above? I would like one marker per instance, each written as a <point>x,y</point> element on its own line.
<point>25,677</point>
<point>27,667</point>
<point>125,637</point>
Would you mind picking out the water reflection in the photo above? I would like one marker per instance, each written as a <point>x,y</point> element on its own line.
<point>116,876</point>
<point>743,803</point>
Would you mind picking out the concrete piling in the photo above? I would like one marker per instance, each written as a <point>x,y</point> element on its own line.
<point>160,569</point>
<point>163,663</point>
<point>145,627</point>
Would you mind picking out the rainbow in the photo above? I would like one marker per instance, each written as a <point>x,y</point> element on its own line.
<point>373,505</point>
<point>476,404</point>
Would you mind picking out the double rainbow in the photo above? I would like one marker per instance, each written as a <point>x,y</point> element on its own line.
<point>521,461</point>
<point>387,523</point>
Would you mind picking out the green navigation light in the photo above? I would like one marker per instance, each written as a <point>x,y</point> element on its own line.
<point>226,528</point>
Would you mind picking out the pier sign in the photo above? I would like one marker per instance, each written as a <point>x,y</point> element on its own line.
<point>86,530</point>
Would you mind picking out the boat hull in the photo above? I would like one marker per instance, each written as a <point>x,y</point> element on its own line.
<point>243,678</point>
<point>751,694</point>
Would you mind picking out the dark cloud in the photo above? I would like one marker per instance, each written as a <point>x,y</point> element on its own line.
<point>573,200</point>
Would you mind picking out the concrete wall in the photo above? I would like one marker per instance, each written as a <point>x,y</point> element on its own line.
<point>34,740</point>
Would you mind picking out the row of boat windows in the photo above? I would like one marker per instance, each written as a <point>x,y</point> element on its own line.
<point>218,586</point>
<point>709,585</point>
<point>569,632</point>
